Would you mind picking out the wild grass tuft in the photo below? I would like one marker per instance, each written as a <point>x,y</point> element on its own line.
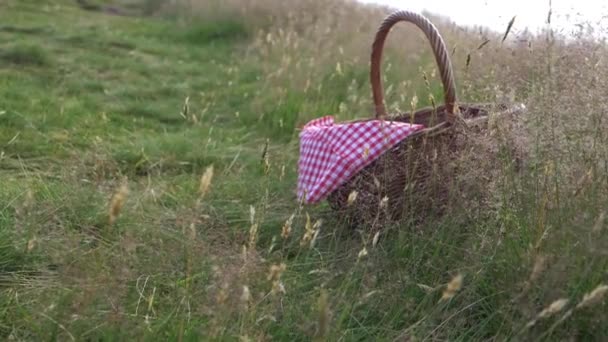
<point>26,55</point>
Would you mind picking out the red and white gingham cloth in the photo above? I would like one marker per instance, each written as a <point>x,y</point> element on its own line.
<point>330,154</point>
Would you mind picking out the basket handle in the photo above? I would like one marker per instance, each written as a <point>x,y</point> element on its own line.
<point>439,50</point>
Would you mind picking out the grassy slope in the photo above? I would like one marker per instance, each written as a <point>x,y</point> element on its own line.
<point>88,99</point>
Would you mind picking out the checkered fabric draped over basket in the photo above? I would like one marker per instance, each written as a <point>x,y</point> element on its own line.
<point>330,154</point>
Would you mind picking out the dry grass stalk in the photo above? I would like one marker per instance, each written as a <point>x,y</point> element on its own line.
<point>375,239</point>
<point>599,222</point>
<point>540,264</point>
<point>324,317</point>
<point>251,214</point>
<point>266,158</point>
<point>185,113</point>
<point>583,182</point>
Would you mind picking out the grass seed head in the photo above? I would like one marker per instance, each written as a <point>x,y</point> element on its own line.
<point>286,230</point>
<point>31,243</point>
<point>554,308</point>
<point>245,298</point>
<point>593,297</point>
<point>376,183</point>
<point>205,183</point>
<point>362,253</point>
<point>426,288</point>
<point>375,239</point>
<point>253,236</point>
<point>384,202</point>
<point>186,108</point>
<point>192,232</point>
<point>222,295</point>
<point>252,214</point>
<point>352,197</point>
<point>310,232</point>
<point>453,287</point>
<point>540,264</point>
<point>549,311</point>
<point>117,202</point>
<point>414,103</point>
<point>314,238</point>
<point>274,276</point>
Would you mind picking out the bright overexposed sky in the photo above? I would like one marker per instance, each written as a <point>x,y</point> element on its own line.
<point>496,14</point>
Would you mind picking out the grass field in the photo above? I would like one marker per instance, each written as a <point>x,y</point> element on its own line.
<point>148,155</point>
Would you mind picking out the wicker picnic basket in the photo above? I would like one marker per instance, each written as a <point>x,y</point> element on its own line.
<point>415,177</point>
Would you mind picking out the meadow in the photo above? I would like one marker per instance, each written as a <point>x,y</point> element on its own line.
<point>148,166</point>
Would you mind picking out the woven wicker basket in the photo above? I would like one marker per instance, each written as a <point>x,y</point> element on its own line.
<point>414,177</point>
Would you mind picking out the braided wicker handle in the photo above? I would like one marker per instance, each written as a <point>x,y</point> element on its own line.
<point>439,49</point>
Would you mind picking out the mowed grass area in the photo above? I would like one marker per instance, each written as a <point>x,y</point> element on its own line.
<point>147,192</point>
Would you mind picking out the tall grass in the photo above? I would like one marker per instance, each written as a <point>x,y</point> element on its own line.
<point>205,240</point>
<point>314,59</point>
